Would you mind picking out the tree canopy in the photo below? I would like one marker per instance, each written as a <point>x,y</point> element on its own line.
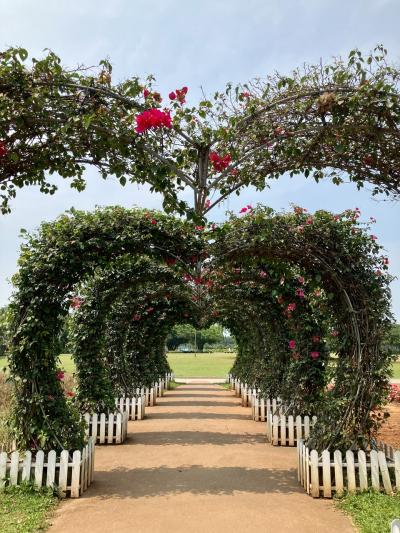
<point>339,120</point>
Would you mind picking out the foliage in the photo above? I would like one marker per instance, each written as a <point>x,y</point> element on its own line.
<point>283,283</point>
<point>187,334</point>
<point>322,120</point>
<point>25,509</point>
<point>371,512</point>
<point>5,318</point>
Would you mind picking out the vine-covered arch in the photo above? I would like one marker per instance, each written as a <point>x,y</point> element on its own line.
<point>294,276</point>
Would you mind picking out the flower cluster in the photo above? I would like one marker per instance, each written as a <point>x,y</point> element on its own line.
<point>76,302</point>
<point>152,119</point>
<point>394,393</point>
<point>179,95</point>
<point>219,163</point>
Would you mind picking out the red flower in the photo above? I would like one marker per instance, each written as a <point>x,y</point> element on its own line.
<point>314,355</point>
<point>243,210</point>
<point>146,93</point>
<point>153,221</point>
<point>180,94</point>
<point>60,375</point>
<point>292,345</point>
<point>152,119</point>
<point>300,293</point>
<point>172,95</point>
<point>291,307</point>
<point>219,163</point>
<point>70,394</point>
<point>3,149</point>
<point>245,94</point>
<point>199,228</point>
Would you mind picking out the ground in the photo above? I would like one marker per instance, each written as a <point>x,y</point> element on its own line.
<point>197,463</point>
<point>390,432</point>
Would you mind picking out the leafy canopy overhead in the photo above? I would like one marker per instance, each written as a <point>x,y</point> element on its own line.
<point>335,120</point>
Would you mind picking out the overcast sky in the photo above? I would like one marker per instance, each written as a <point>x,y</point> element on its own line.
<point>198,44</point>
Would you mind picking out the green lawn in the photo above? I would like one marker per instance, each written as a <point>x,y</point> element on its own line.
<point>396,370</point>
<point>371,512</point>
<point>207,365</point>
<point>25,510</point>
<point>184,365</point>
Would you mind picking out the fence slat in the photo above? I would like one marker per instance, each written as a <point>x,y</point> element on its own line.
<point>51,468</point>
<point>291,430</point>
<point>63,476</point>
<point>119,428</point>
<point>385,472</point>
<point>76,470</point>
<point>3,468</point>
<point>283,430</point>
<point>362,470</point>
<point>110,428</point>
<point>337,457</point>
<point>275,426</point>
<point>26,467</point>
<point>102,438</point>
<point>94,425</point>
<point>306,427</point>
<point>396,457</point>
<point>39,462</point>
<point>314,474</point>
<point>326,473</point>
<point>299,432</point>
<point>14,468</point>
<point>351,474</point>
<point>374,469</point>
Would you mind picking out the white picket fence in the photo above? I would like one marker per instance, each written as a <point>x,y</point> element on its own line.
<point>325,473</point>
<point>285,430</point>
<point>135,407</point>
<point>262,407</point>
<point>149,394</point>
<point>110,428</point>
<point>69,474</point>
<point>159,387</point>
<point>169,376</point>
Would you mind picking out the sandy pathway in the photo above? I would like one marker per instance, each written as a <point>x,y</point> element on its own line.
<point>197,464</point>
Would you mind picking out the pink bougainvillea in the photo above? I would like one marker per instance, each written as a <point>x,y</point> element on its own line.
<point>219,163</point>
<point>76,302</point>
<point>153,119</point>
<point>292,344</point>
<point>314,355</point>
<point>60,375</point>
<point>394,393</point>
<point>300,293</point>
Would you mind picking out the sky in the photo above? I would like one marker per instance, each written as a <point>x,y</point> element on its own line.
<point>202,44</point>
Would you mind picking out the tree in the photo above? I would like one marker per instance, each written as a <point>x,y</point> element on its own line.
<point>5,324</point>
<point>187,334</point>
<point>330,120</point>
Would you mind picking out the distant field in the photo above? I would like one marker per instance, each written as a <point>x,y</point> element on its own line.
<point>186,365</point>
<point>205,365</point>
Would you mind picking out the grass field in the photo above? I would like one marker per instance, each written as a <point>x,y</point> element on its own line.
<point>205,365</point>
<point>184,365</point>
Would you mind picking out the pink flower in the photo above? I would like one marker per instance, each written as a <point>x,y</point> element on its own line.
<point>219,163</point>
<point>152,119</point>
<point>3,149</point>
<point>245,94</point>
<point>300,293</point>
<point>292,345</point>
<point>374,237</point>
<point>309,220</point>
<point>314,355</point>
<point>301,279</point>
<point>60,375</point>
<point>291,307</point>
<point>243,210</point>
<point>153,221</point>
<point>172,95</point>
<point>263,274</point>
<point>199,228</point>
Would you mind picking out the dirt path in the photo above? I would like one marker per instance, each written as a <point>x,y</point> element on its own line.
<point>197,464</point>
